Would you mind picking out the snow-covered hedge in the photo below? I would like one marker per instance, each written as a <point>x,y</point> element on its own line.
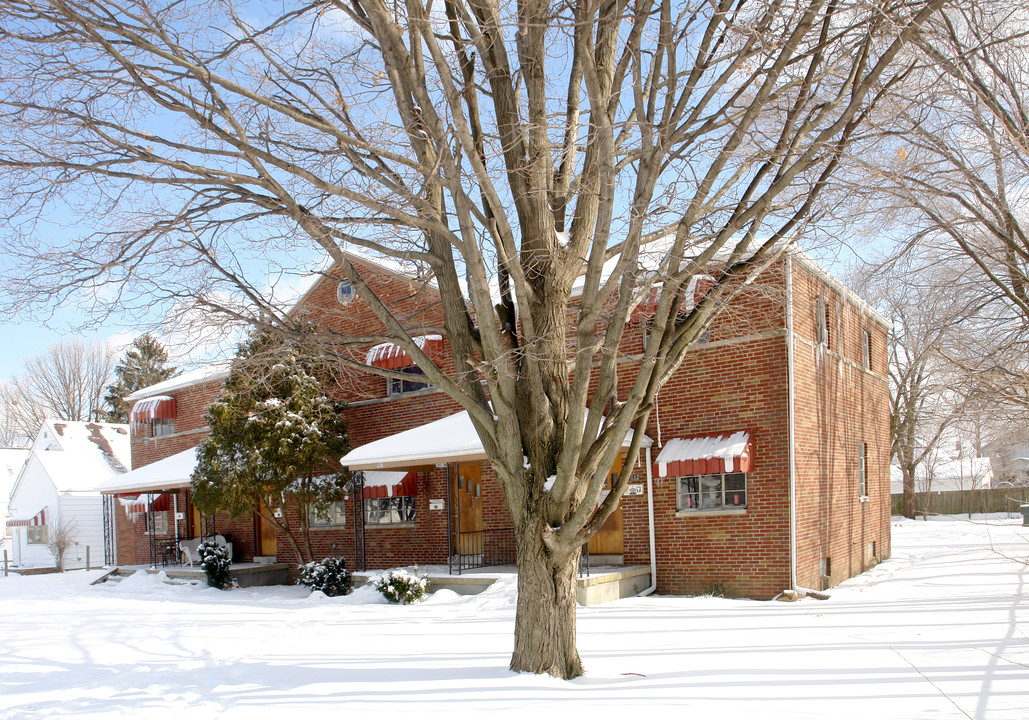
<point>330,576</point>
<point>400,586</point>
<point>214,559</point>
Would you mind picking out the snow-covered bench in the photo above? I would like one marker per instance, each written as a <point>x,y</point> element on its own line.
<point>188,548</point>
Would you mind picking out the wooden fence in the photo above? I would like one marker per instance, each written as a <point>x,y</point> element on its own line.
<point>956,502</point>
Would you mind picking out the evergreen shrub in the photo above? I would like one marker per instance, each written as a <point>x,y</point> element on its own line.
<point>400,586</point>
<point>214,559</point>
<point>330,576</point>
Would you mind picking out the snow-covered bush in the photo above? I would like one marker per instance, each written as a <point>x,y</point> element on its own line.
<point>214,559</point>
<point>400,586</point>
<point>329,576</point>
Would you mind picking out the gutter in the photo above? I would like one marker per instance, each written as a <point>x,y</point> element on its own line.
<point>650,527</point>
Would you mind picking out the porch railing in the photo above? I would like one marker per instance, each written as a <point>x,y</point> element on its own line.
<point>481,548</point>
<point>490,548</point>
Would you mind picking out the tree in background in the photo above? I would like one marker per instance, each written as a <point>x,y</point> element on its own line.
<point>66,382</point>
<point>275,443</point>
<point>144,364</point>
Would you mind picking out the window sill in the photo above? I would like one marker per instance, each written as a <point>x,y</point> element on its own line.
<point>863,498</point>
<point>391,526</point>
<point>338,526</point>
<point>709,513</point>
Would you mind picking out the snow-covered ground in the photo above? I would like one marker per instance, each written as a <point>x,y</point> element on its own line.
<point>939,631</point>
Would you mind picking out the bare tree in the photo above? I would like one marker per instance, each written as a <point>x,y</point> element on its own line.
<point>60,536</point>
<point>527,152</point>
<point>68,381</point>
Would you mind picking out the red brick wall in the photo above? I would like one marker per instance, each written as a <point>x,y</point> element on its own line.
<point>839,404</point>
<point>190,425</point>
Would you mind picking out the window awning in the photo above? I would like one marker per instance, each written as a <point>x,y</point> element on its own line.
<point>706,455</point>
<point>390,356</point>
<point>37,519</point>
<point>158,406</point>
<point>380,483</point>
<point>145,502</point>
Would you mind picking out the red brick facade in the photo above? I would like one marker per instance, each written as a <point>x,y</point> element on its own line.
<point>811,519</point>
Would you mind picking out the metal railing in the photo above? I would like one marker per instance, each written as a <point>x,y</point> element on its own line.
<point>481,548</point>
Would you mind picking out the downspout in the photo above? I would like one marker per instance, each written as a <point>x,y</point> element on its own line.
<point>791,415</point>
<point>650,527</point>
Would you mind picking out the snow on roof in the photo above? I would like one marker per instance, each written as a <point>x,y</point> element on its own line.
<point>205,373</point>
<point>167,474</point>
<point>725,447</point>
<point>12,460</point>
<point>79,455</point>
<point>450,439</point>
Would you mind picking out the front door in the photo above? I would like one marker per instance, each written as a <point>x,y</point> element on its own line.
<point>609,540</point>
<point>467,510</point>
<point>267,544</point>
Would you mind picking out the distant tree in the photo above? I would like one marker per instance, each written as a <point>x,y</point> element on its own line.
<point>275,442</point>
<point>66,382</point>
<point>144,364</point>
<point>60,536</point>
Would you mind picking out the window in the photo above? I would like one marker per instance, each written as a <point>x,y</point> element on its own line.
<point>712,492</point>
<point>157,523</point>
<point>862,465</point>
<point>389,510</point>
<point>822,321</point>
<point>344,292</point>
<point>866,350</point>
<point>396,386</point>
<point>37,534</point>
<point>334,515</point>
<point>163,426</point>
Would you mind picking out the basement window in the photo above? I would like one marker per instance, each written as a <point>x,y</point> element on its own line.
<point>726,491</point>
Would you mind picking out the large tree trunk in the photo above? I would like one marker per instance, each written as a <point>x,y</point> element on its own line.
<point>545,617</point>
<point>908,508</point>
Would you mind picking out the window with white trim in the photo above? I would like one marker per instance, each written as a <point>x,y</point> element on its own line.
<point>36,534</point>
<point>157,522</point>
<point>389,510</point>
<point>866,349</point>
<point>162,426</point>
<point>862,469</point>
<point>822,321</point>
<point>727,491</point>
<point>418,381</point>
<point>335,515</point>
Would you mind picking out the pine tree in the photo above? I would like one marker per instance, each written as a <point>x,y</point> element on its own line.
<point>275,442</point>
<point>144,364</point>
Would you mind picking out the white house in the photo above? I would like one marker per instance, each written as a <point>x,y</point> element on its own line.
<point>965,473</point>
<point>11,462</point>
<point>58,484</point>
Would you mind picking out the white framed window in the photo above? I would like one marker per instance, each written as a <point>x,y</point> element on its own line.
<point>36,534</point>
<point>389,510</point>
<point>727,491</point>
<point>157,522</point>
<point>335,515</point>
<point>823,321</point>
<point>162,426</point>
<point>866,349</point>
<point>396,386</point>
<point>862,469</point>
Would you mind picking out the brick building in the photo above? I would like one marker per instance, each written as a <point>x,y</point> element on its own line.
<point>766,465</point>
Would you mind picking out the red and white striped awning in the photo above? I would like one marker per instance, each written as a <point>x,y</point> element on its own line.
<point>145,502</point>
<point>390,356</point>
<point>706,455</point>
<point>37,519</point>
<point>382,483</point>
<point>158,406</point>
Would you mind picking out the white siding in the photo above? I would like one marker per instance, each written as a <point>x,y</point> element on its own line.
<point>87,512</point>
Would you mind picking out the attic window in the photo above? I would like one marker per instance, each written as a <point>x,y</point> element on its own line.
<point>344,292</point>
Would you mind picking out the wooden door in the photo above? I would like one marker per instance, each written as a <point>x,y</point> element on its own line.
<point>609,539</point>
<point>267,544</point>
<point>468,509</point>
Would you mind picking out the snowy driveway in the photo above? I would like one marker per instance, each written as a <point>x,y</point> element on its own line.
<point>940,631</point>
